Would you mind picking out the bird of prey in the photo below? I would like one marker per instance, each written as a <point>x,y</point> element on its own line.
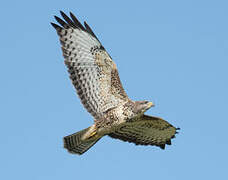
<point>96,80</point>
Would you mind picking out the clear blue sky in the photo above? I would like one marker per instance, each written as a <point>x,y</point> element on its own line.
<point>174,53</point>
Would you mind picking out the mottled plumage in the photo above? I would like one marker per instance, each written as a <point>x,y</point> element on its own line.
<point>96,80</point>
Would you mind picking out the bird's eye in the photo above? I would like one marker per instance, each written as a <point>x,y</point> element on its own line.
<point>145,102</point>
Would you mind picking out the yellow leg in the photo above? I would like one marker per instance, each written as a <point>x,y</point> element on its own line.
<point>92,131</point>
<point>92,134</point>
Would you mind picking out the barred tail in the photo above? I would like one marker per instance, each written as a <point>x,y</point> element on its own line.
<point>74,143</point>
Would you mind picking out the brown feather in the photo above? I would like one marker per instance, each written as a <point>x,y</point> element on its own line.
<point>147,130</point>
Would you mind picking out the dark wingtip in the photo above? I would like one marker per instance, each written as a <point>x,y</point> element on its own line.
<point>168,142</point>
<point>60,21</point>
<point>71,13</point>
<point>76,22</point>
<point>72,22</point>
<point>57,27</point>
<point>61,12</point>
<point>89,30</point>
<point>177,130</point>
<point>72,16</point>
<point>162,146</point>
<point>68,20</point>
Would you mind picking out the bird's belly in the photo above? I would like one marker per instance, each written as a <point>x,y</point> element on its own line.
<point>112,120</point>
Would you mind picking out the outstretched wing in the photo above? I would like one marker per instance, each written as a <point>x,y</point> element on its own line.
<point>91,69</point>
<point>146,131</point>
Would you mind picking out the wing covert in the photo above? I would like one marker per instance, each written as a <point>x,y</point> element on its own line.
<point>92,71</point>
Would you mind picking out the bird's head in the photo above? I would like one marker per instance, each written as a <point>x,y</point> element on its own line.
<point>142,106</point>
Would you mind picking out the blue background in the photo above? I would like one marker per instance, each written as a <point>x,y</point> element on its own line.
<point>173,53</point>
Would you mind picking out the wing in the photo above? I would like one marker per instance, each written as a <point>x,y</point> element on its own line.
<point>146,131</point>
<point>91,69</point>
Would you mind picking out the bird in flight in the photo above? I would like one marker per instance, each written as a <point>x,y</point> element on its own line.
<point>96,80</point>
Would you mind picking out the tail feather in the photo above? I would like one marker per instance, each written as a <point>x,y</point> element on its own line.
<point>75,145</point>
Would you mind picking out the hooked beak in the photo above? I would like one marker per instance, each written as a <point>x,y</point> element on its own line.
<point>150,104</point>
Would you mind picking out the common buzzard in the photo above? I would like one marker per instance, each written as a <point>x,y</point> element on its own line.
<point>96,80</point>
